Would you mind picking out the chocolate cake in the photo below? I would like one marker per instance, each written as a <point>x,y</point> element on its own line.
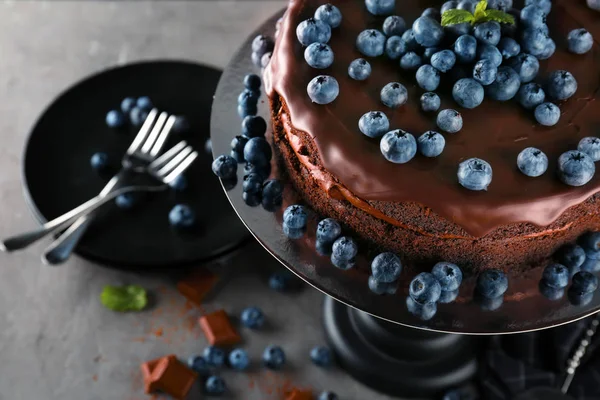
<point>418,209</point>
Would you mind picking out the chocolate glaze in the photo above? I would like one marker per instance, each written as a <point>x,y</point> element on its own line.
<point>495,131</point>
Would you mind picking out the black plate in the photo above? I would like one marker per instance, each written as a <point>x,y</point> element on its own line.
<point>57,174</point>
<point>524,308</point>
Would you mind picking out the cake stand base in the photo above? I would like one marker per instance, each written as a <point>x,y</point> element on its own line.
<point>394,359</point>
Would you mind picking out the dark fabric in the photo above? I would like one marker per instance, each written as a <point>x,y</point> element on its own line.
<point>513,364</point>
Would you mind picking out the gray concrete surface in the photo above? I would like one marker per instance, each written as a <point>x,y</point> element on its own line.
<point>56,341</point>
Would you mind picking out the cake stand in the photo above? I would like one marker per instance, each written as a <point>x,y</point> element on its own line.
<point>374,335</point>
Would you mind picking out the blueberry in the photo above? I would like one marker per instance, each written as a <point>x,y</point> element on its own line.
<point>489,52</point>
<point>359,69</point>
<point>409,38</point>
<point>394,95</point>
<point>531,95</point>
<point>224,167</point>
<point>449,121</point>
<point>456,31</point>
<point>410,61</point>
<point>313,31</point>
<point>547,114</point>
<point>295,216</point>
<point>474,174</point>
<point>249,109</point>
<point>468,93</point>
<point>432,13</point>
<point>467,5</point>
<point>238,143</point>
<point>536,42</point>
<point>492,283</point>
<point>430,102</point>
<point>488,32</point>
<point>575,168</point>
<point>489,303</point>
<point>584,282</point>
<point>323,89</point>
<point>254,126</point>
<point>239,360</point>
<point>502,5</point>
<point>428,32</point>
<point>443,60</point>
<point>280,281</point>
<point>380,288</point>
<point>252,82</point>
<point>248,98</point>
<point>449,5</point>
<point>394,26</point>
<point>256,59</point>
<point>448,296</point>
<point>592,254</point>
<point>465,48</point>
<point>380,7</point>
<point>386,267</point>
<point>179,184</point>
<point>321,356</point>
<point>578,299</point>
<point>398,146</point>
<point>544,5</point>
<point>448,275</point>
<point>115,119</point>
<point>371,42</point>
<point>99,161</point>
<point>214,385</point>
<point>272,192</point>
<point>526,66</point>
<point>257,151</point>
<point>572,256</point>
<point>137,116</point>
<point>428,77</point>
<point>590,146</point>
<point>551,293</point>
<point>344,248</point>
<point>252,199</point>
<point>318,55</point>
<point>263,170</point>
<point>214,356</point>
<point>265,59</point>
<point>273,357</point>
<point>561,85</point>
<point>262,44</point>
<point>590,241</point>
<point>485,72</point>
<point>506,85</point>
<point>556,276</point>
<point>590,264</point>
<point>424,288</point>
<point>329,14</point>
<point>198,364</point>
<point>532,16</point>
<point>342,264</point>
<point>594,4</point>
<point>509,47</point>
<point>253,318</point>
<point>422,311</point>
<point>431,144</point>
<point>144,103</point>
<point>532,162</point>
<point>253,183</point>
<point>429,52</point>
<point>374,124</point>
<point>182,216</point>
<point>127,105</point>
<point>327,396</point>
<point>126,201</point>
<point>395,47</point>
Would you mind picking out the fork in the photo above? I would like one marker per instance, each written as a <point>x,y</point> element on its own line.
<point>143,150</point>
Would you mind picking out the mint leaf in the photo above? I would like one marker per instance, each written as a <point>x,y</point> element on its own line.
<point>480,10</point>
<point>498,16</point>
<point>455,17</point>
<point>124,298</point>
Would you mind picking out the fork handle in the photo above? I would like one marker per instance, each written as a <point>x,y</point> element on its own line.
<point>61,249</point>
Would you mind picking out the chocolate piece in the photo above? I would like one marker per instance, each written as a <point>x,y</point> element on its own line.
<point>218,329</point>
<point>169,376</point>
<point>418,209</point>
<point>147,369</point>
<point>297,394</point>
<point>197,285</point>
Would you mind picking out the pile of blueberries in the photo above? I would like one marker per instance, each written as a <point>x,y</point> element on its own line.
<point>252,148</point>
<point>133,112</point>
<point>490,59</point>
<point>273,357</point>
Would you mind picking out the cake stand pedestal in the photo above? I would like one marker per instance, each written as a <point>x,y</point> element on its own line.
<point>395,359</point>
